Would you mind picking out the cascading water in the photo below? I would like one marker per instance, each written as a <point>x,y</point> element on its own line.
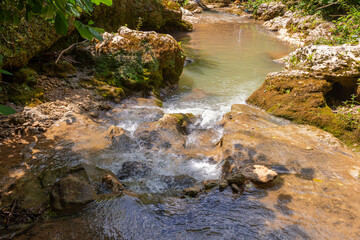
<point>230,59</point>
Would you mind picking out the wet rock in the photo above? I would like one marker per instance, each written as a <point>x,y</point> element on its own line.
<point>267,11</point>
<point>259,174</point>
<point>168,132</point>
<point>223,184</point>
<point>114,131</point>
<point>29,193</point>
<point>112,183</point>
<point>192,191</point>
<point>235,188</point>
<point>179,181</point>
<point>84,172</point>
<point>134,169</point>
<point>120,140</point>
<point>235,177</point>
<point>208,184</point>
<point>70,194</point>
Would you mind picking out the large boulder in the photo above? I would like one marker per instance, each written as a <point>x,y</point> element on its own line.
<point>331,62</point>
<point>218,3</point>
<point>267,11</point>
<point>136,60</point>
<point>145,14</point>
<point>70,194</point>
<point>316,80</point>
<point>20,43</point>
<point>168,133</point>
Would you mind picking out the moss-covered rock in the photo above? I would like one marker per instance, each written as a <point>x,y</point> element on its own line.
<point>138,61</point>
<point>22,42</point>
<point>156,15</point>
<point>302,98</point>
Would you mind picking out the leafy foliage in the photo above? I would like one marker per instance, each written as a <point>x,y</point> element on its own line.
<point>344,13</point>
<point>6,110</point>
<point>328,9</point>
<point>60,12</point>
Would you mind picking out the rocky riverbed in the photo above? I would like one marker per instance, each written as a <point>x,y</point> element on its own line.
<point>104,154</point>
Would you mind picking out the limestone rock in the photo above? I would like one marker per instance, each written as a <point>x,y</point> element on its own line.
<point>192,191</point>
<point>134,169</point>
<point>259,174</point>
<point>223,184</point>
<point>208,184</point>
<point>138,61</point>
<point>150,14</point>
<point>235,177</point>
<point>114,131</point>
<point>169,132</point>
<point>70,194</point>
<point>329,61</point>
<point>112,183</point>
<point>218,3</point>
<point>235,188</point>
<point>267,11</point>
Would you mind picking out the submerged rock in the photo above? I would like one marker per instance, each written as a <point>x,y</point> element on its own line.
<point>134,169</point>
<point>112,184</point>
<point>235,188</point>
<point>235,177</point>
<point>208,184</point>
<point>70,194</point>
<point>168,132</point>
<point>192,191</point>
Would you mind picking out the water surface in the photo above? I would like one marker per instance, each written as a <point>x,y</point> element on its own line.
<point>230,59</point>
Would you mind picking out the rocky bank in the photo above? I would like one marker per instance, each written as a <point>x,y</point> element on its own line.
<point>319,84</point>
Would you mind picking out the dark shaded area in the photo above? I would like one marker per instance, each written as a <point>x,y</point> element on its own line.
<point>341,92</point>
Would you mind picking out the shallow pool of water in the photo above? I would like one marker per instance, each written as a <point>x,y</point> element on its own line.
<point>228,59</point>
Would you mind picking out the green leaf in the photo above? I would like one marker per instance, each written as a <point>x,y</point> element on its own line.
<point>16,19</point>
<point>95,33</point>
<point>88,4</point>
<point>6,110</point>
<point>81,5</point>
<point>106,2</point>
<point>21,5</point>
<point>5,72</point>
<point>91,22</point>
<point>61,5</point>
<point>61,24</point>
<point>48,12</point>
<point>87,32</point>
<point>71,8</point>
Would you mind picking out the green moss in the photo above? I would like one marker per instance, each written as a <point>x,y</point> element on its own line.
<point>129,69</point>
<point>23,94</point>
<point>6,110</point>
<point>112,93</point>
<point>26,75</point>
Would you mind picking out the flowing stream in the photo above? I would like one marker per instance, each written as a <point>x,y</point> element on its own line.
<point>229,58</point>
